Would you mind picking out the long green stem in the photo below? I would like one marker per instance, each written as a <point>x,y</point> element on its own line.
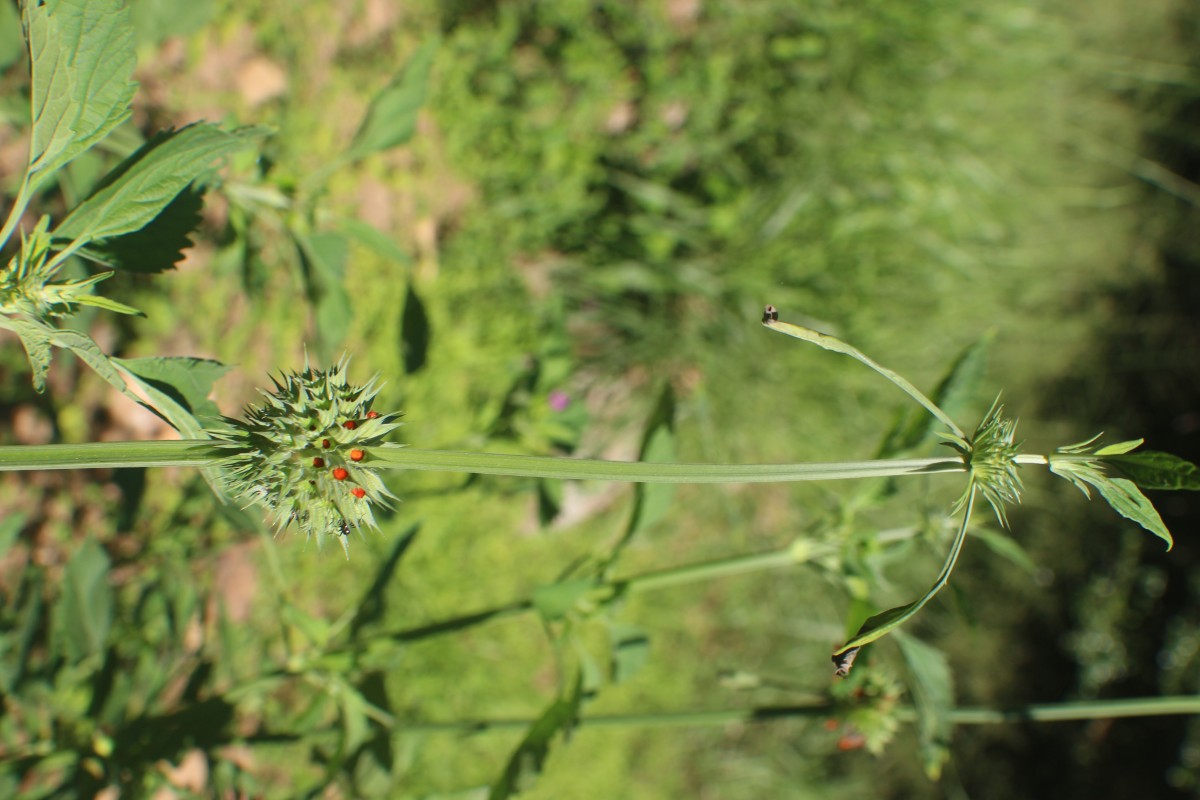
<point>1048,712</point>
<point>201,453</point>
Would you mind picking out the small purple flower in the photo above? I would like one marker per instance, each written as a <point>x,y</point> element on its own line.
<point>558,400</point>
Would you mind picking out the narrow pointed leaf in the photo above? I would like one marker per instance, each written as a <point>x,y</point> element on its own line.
<point>391,119</point>
<point>1128,501</point>
<point>1120,448</point>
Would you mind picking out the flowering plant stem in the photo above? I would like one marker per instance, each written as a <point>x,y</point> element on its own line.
<point>201,453</point>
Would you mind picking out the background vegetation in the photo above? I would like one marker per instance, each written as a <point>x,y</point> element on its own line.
<point>597,200</point>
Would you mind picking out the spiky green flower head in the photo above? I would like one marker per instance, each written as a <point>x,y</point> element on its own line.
<point>991,459</point>
<point>305,453</point>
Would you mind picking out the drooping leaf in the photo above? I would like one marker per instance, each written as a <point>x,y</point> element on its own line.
<point>932,687</point>
<point>36,338</point>
<point>391,118</point>
<point>83,613</point>
<point>1128,501</point>
<point>141,186</point>
<point>414,331</point>
<point>82,56</point>
<point>188,381</point>
<point>157,246</point>
<point>1152,469</point>
<point>529,758</point>
<point>885,622</point>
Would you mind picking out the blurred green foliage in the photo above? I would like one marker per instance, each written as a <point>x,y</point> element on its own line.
<point>596,201</point>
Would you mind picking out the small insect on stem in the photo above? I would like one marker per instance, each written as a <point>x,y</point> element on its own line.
<point>770,314</point>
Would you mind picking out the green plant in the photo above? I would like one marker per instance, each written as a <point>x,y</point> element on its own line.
<point>86,714</point>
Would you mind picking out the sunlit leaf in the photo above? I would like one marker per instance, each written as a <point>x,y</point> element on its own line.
<point>143,185</point>
<point>82,60</point>
<point>392,117</point>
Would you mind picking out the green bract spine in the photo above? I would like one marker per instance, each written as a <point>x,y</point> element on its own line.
<point>305,453</point>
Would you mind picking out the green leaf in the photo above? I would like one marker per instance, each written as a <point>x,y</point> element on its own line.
<point>630,650</point>
<point>323,257</point>
<point>143,185</point>
<point>556,600</point>
<point>157,246</point>
<point>884,623</point>
<point>1128,501</point>
<point>82,55</point>
<point>932,688</point>
<point>1152,469</point>
<point>36,338</point>
<point>391,118</point>
<point>1120,448</point>
<point>1006,547</point>
<point>83,613</point>
<point>374,239</point>
<point>530,756</point>
<point>952,394</point>
<point>187,381</point>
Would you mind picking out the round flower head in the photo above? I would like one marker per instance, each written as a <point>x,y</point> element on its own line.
<point>294,453</point>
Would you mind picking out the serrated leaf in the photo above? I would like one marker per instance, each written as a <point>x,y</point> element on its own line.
<point>36,338</point>
<point>82,60</point>
<point>529,758</point>
<point>1128,501</point>
<point>1152,469</point>
<point>189,380</point>
<point>142,186</point>
<point>932,687</point>
<point>83,613</point>
<point>157,246</point>
<point>391,118</point>
<point>1120,448</point>
<point>86,348</point>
